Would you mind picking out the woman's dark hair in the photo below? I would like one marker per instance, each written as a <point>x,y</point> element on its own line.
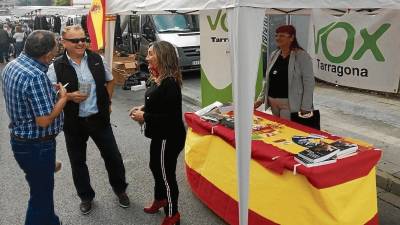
<point>289,29</point>
<point>39,43</point>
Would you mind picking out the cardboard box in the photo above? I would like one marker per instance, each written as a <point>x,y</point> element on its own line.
<point>130,65</point>
<point>119,77</point>
<point>123,67</point>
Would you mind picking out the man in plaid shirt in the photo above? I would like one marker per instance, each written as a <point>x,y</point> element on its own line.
<point>35,111</point>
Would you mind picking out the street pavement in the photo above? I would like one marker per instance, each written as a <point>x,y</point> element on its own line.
<point>134,148</point>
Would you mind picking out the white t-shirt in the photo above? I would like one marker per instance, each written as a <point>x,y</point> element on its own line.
<point>19,37</point>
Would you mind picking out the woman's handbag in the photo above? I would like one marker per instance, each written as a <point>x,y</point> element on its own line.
<point>313,121</point>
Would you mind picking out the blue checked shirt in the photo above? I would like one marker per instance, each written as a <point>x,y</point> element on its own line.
<point>28,94</point>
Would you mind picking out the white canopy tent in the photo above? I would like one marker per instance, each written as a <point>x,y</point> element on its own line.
<point>50,10</point>
<point>245,21</point>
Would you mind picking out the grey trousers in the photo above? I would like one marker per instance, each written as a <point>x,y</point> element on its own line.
<point>280,107</point>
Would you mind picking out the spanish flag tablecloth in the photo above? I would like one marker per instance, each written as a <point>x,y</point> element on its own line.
<point>281,191</point>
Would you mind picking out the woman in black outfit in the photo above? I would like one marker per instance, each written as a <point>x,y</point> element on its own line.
<point>162,118</point>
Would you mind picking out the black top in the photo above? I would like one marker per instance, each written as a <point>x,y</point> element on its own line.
<point>163,110</point>
<point>278,78</point>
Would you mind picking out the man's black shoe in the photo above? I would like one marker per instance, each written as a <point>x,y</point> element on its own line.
<point>123,200</point>
<point>85,207</point>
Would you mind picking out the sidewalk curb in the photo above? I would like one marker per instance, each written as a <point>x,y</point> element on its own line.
<point>388,182</point>
<point>384,179</point>
<point>191,100</point>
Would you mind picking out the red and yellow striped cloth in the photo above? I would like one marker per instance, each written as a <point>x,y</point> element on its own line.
<point>343,193</point>
<point>96,24</point>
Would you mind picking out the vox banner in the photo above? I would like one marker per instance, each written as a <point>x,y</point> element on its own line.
<point>356,50</point>
<point>216,80</point>
<point>216,77</point>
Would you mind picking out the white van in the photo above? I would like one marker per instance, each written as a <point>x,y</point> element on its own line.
<point>182,31</point>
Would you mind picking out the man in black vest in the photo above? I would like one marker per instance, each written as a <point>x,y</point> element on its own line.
<point>87,114</point>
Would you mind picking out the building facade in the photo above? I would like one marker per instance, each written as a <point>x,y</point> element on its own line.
<point>6,4</point>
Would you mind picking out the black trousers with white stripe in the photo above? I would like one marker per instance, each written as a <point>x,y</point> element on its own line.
<point>163,160</point>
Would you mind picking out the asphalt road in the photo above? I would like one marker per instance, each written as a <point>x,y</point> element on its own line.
<point>134,147</point>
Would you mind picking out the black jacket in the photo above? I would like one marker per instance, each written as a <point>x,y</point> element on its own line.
<point>57,25</point>
<point>163,110</point>
<point>4,40</point>
<point>66,74</point>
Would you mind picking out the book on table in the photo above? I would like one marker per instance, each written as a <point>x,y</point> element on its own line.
<point>346,148</point>
<point>308,163</point>
<point>319,153</point>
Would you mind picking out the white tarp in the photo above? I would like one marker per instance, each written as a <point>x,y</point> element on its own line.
<point>356,50</point>
<point>126,7</point>
<point>50,10</point>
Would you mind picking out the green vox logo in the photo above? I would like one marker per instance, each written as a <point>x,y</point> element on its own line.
<point>369,42</point>
<point>220,19</point>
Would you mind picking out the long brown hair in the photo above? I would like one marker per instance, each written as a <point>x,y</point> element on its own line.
<point>168,63</point>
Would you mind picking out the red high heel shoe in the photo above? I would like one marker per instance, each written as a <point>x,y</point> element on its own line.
<point>155,206</point>
<point>173,220</point>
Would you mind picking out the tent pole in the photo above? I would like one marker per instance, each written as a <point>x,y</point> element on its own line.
<point>109,42</point>
<point>245,30</point>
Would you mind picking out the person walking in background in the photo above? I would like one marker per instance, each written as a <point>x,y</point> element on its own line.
<point>35,112</point>
<point>87,114</point>
<point>289,80</point>
<point>19,40</point>
<point>8,29</point>
<point>4,44</point>
<point>162,115</point>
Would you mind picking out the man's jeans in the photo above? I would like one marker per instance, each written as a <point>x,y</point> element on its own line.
<point>3,54</point>
<point>37,160</point>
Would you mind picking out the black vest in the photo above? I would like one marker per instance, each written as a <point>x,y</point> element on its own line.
<point>66,74</point>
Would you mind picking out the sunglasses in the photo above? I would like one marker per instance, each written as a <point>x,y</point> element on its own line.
<point>77,40</point>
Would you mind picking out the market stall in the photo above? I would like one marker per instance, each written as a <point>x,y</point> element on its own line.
<point>245,22</point>
<point>281,190</point>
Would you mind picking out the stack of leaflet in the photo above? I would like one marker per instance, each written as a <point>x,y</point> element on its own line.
<point>213,117</point>
<point>323,153</point>
<point>214,114</point>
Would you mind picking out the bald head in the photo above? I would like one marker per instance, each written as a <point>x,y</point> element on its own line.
<point>39,43</point>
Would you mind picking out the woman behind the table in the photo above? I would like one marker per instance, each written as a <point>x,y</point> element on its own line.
<point>289,82</point>
<point>162,118</point>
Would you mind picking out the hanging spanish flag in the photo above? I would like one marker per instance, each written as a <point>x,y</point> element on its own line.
<point>96,24</point>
